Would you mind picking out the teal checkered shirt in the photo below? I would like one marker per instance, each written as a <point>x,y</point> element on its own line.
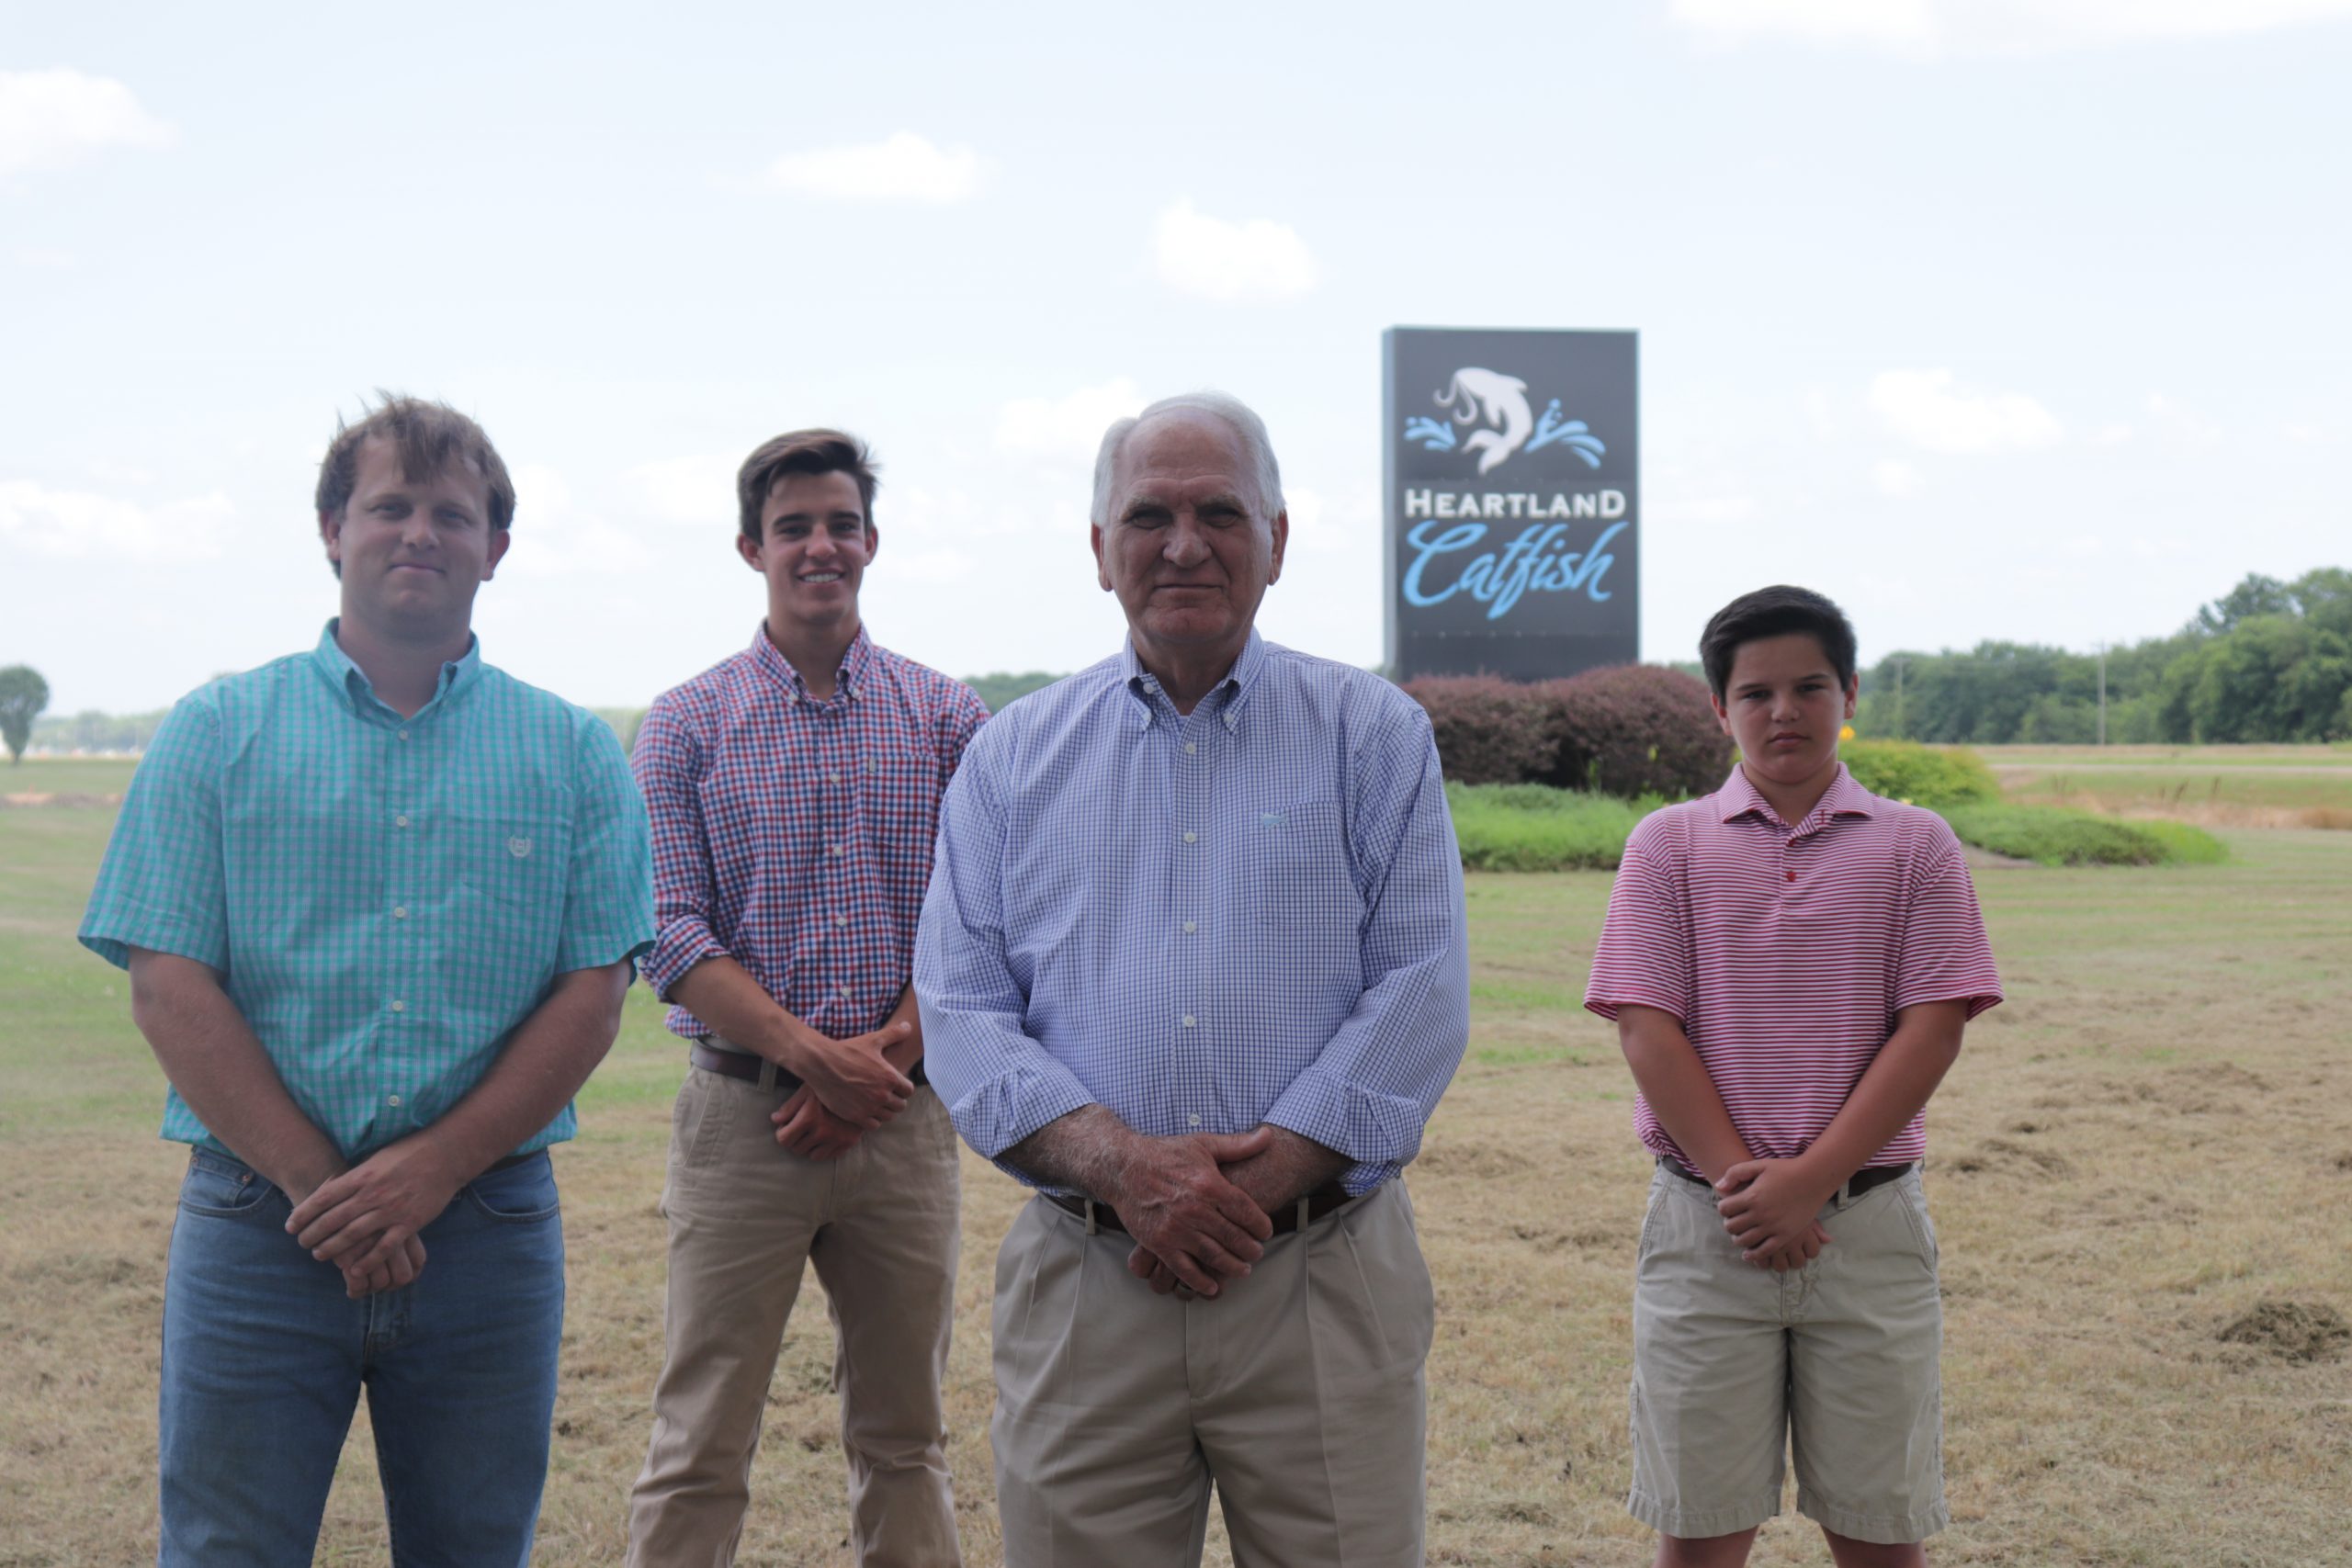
<point>386,897</point>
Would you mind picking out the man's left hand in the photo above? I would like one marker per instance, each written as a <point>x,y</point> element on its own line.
<point>1768,1205</point>
<point>1290,1168</point>
<point>365,1216</point>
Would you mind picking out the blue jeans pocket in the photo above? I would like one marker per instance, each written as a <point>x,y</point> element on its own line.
<point>520,1194</point>
<point>218,1185</point>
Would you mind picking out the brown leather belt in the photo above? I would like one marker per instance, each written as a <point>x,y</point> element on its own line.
<point>736,1065</point>
<point>1856,1185</point>
<point>1306,1211</point>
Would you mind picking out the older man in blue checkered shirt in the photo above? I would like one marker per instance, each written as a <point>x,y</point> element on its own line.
<point>379,903</point>
<point>1193,963</point>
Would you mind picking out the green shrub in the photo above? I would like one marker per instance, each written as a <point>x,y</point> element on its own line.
<point>1932,776</point>
<point>1536,827</point>
<point>1631,730</point>
<point>2055,836</point>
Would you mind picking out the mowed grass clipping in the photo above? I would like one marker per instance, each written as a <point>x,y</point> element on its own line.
<point>2140,1169</point>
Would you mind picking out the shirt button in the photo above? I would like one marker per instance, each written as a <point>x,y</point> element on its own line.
<point>1791,874</point>
<point>399,911</point>
<point>392,1100</point>
<point>403,734</point>
<point>840,920</point>
<point>401,821</point>
<point>833,776</point>
<point>834,849</point>
<point>1192,926</point>
<point>399,1007</point>
<point>1192,1120</point>
<point>1191,838</point>
<point>1188,1021</point>
<point>844,990</point>
<point>1191,746</point>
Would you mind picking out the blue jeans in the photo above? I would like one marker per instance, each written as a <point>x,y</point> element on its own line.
<point>263,1358</point>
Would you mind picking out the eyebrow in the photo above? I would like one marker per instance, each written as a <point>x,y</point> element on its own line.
<point>1767,686</point>
<point>1223,500</point>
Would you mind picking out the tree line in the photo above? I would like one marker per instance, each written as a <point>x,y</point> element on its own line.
<point>2267,661</point>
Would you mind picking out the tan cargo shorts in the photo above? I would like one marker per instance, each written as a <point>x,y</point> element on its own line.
<point>1836,1361</point>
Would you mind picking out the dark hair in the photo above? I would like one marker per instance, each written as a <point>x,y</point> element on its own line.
<point>803,452</point>
<point>428,436</point>
<point>1776,611</point>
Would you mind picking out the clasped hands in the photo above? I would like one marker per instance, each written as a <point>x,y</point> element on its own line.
<point>1768,1207</point>
<point>365,1220</point>
<point>1199,1206</point>
<point>847,1089</point>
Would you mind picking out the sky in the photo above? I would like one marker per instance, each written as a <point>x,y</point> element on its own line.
<point>2016,319</point>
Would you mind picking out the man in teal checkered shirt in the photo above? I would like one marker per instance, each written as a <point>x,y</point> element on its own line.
<point>379,903</point>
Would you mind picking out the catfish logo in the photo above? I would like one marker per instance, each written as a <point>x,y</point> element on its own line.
<point>1498,404</point>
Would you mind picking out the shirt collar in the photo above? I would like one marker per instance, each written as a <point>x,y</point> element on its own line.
<point>1226,697</point>
<point>1844,797</point>
<point>848,680</point>
<point>346,676</point>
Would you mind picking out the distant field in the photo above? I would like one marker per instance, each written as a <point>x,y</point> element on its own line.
<point>2250,786</point>
<point>2150,1144</point>
<point>105,776</point>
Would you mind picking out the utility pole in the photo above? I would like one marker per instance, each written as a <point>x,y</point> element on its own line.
<point>1901,730</point>
<point>2102,691</point>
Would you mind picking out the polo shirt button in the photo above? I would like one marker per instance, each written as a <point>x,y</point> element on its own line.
<point>1791,874</point>
<point>1191,838</point>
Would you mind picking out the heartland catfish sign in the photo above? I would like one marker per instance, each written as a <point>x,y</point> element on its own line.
<point>1513,483</point>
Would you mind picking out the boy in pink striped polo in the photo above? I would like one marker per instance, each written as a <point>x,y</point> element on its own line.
<point>1790,962</point>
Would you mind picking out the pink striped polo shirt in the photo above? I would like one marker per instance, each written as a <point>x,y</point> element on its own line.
<point>1786,954</point>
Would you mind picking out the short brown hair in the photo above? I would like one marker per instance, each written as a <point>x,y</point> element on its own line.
<point>803,452</point>
<point>429,437</point>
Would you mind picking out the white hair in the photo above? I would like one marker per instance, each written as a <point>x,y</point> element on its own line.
<point>1238,416</point>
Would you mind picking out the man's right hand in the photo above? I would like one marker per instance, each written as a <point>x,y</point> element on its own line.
<point>1177,1203</point>
<point>851,1077</point>
<point>400,1269</point>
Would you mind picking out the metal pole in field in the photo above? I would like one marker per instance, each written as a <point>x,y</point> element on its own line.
<point>1899,730</point>
<point>2102,694</point>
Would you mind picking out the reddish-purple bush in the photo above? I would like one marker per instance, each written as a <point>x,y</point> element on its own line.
<point>1632,729</point>
<point>1489,730</point>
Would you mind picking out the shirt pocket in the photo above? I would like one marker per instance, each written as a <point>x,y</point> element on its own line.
<point>510,875</point>
<point>1301,877</point>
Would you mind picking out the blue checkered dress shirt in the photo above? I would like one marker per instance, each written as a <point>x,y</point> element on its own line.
<point>386,898</point>
<point>1252,913</point>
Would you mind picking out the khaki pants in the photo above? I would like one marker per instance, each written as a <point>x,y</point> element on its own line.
<point>1298,1393</point>
<point>880,1225</point>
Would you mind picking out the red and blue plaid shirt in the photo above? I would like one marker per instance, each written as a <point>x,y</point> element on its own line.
<point>795,836</point>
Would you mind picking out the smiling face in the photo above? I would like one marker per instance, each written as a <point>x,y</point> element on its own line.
<point>411,553</point>
<point>1783,706</point>
<point>1188,548</point>
<point>813,547</point>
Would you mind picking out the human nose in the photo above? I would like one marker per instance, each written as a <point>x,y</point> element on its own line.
<point>1185,546</point>
<point>416,529</point>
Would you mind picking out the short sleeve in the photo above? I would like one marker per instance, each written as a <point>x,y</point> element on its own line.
<point>1945,954</point>
<point>609,895</point>
<point>162,885</point>
<point>1643,957</point>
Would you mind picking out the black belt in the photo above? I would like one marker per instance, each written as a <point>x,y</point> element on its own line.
<point>1856,1185</point>
<point>736,1065</point>
<point>1321,1201</point>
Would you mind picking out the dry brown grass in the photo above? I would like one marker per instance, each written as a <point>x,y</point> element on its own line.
<point>2150,1146</point>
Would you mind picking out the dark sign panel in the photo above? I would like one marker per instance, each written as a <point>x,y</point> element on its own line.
<point>1514,501</point>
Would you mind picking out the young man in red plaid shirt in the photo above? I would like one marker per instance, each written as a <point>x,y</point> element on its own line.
<point>1790,962</point>
<point>793,792</point>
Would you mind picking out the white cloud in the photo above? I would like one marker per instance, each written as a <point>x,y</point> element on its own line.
<point>52,120</point>
<point>904,167</point>
<point>1931,411</point>
<point>1066,430</point>
<point>1898,478</point>
<point>1930,28</point>
<point>696,492</point>
<point>1234,264</point>
<point>79,524</point>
